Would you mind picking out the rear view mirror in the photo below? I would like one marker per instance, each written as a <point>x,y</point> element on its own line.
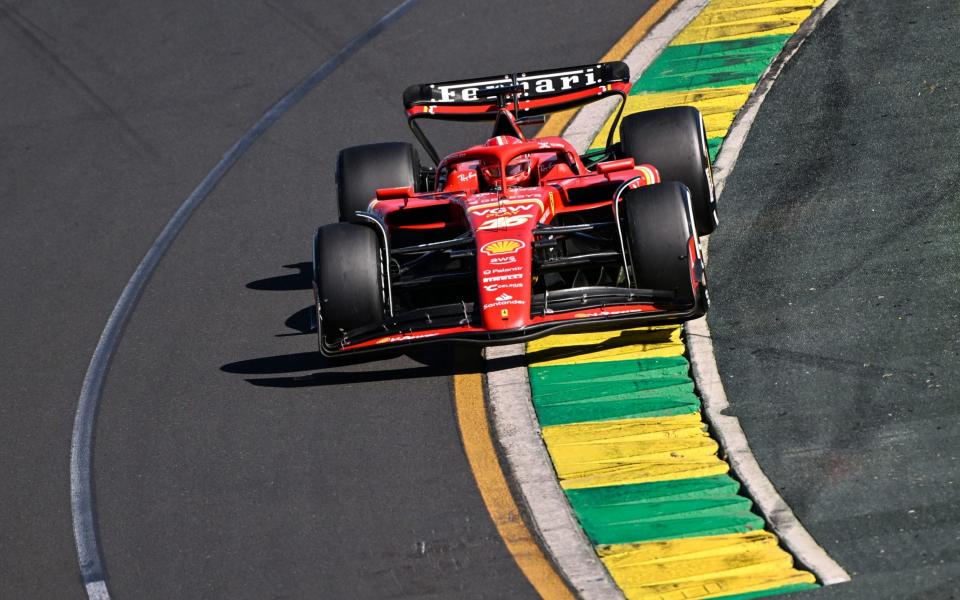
<point>612,166</point>
<point>394,193</point>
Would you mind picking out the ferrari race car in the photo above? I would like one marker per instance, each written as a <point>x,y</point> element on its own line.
<point>516,237</point>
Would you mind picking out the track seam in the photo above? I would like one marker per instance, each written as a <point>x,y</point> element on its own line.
<point>643,29</point>
<point>703,361</point>
<point>584,127</point>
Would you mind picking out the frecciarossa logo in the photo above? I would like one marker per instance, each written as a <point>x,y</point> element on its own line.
<point>533,85</point>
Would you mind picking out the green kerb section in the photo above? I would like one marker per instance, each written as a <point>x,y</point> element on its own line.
<point>663,510</point>
<point>713,147</point>
<point>714,64</point>
<point>797,587</point>
<point>651,387</point>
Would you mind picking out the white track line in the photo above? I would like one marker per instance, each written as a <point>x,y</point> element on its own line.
<point>89,554</point>
<point>514,420</point>
<point>704,364</point>
<point>97,590</point>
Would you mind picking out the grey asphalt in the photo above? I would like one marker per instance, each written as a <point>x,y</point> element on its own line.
<point>836,312</point>
<point>230,462</point>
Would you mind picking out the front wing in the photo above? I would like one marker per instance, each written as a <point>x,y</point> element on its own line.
<point>593,319</point>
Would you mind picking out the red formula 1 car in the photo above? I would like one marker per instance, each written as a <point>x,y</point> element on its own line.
<point>516,238</point>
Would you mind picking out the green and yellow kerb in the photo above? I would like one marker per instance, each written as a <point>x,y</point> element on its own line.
<point>618,410</point>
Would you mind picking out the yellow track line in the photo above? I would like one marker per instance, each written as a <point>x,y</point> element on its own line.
<point>478,444</point>
<point>559,121</point>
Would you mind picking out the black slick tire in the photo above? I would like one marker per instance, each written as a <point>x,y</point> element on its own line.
<point>657,236</point>
<point>674,141</point>
<point>347,275</point>
<point>362,170</point>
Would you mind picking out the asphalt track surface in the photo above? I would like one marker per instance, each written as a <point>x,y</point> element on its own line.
<point>836,318</point>
<point>230,461</point>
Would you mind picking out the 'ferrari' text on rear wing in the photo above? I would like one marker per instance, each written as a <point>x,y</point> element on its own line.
<point>528,94</point>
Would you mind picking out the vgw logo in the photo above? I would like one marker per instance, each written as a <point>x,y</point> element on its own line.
<point>504,210</point>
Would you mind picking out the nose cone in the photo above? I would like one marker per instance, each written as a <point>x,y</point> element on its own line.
<point>504,277</point>
<point>503,228</point>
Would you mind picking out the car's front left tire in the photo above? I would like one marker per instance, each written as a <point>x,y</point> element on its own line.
<point>347,271</point>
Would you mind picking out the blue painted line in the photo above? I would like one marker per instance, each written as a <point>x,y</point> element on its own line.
<point>81,446</point>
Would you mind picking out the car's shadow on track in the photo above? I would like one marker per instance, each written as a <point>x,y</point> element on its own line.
<point>288,282</point>
<point>302,322</point>
<point>288,370</point>
<point>435,361</point>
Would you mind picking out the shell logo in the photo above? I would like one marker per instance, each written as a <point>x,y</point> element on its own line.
<point>507,246</point>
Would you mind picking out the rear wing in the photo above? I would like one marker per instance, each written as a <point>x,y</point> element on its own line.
<point>543,92</point>
<point>530,94</point>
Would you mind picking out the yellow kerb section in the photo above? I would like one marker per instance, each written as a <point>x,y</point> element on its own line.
<point>718,105</point>
<point>737,19</point>
<point>601,453</point>
<point>701,567</point>
<point>626,344</point>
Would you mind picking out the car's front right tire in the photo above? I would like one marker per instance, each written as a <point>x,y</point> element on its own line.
<point>658,235</point>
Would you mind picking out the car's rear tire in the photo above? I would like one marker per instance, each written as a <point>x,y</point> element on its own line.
<point>348,278</point>
<point>674,141</point>
<point>658,238</point>
<point>362,170</point>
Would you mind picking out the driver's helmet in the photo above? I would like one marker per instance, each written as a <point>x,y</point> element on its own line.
<point>518,169</point>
